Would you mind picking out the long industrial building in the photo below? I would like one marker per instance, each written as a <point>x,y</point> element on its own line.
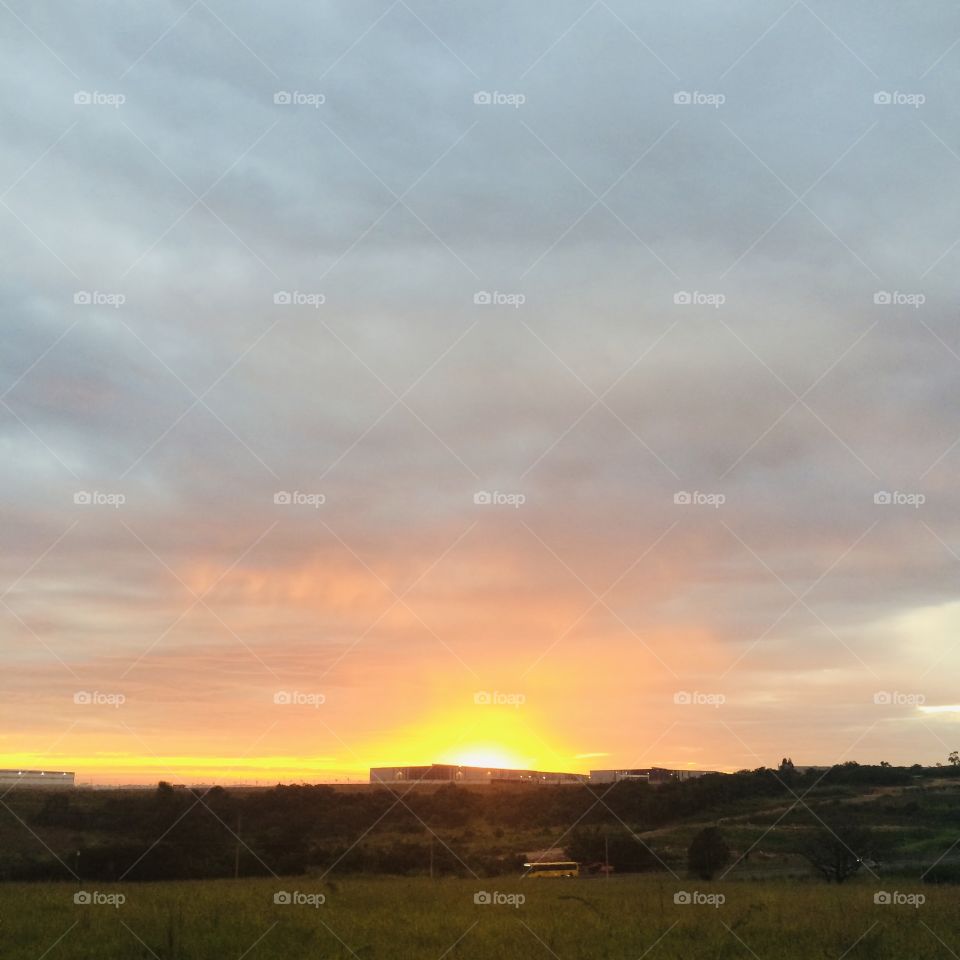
<point>451,773</point>
<point>646,775</point>
<point>37,778</point>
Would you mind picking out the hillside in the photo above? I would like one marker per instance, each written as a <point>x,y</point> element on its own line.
<point>907,817</point>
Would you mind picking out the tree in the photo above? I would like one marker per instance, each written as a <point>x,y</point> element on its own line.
<point>622,850</point>
<point>837,850</point>
<point>708,852</point>
<point>954,759</point>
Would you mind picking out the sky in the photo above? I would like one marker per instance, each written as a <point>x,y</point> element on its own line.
<point>566,386</point>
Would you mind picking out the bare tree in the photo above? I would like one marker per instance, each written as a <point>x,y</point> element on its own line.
<point>838,850</point>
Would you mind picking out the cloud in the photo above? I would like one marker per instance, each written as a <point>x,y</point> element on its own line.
<point>605,205</point>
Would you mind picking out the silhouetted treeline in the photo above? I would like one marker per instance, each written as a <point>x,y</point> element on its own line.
<point>179,833</point>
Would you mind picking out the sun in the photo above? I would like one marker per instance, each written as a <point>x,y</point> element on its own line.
<point>484,755</point>
<point>476,735</point>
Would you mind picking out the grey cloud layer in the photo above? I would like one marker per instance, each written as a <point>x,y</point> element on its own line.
<point>700,199</point>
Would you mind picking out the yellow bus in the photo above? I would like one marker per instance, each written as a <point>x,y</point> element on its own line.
<point>558,868</point>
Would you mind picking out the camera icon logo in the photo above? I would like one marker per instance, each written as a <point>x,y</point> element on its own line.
<point>282,897</point>
<point>682,497</point>
<point>882,897</point>
<point>482,97</point>
<point>682,896</point>
<point>882,298</point>
<point>482,298</point>
<point>882,497</point>
<point>482,697</point>
<point>82,297</point>
<point>682,96</point>
<point>682,298</point>
<point>282,96</point>
<point>82,497</point>
<point>882,698</point>
<point>682,697</point>
<point>82,98</point>
<point>282,298</point>
<point>82,897</point>
<point>882,97</point>
<point>482,497</point>
<point>83,698</point>
<point>282,697</point>
<point>282,497</point>
<point>482,897</point>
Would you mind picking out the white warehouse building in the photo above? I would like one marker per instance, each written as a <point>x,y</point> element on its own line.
<point>36,778</point>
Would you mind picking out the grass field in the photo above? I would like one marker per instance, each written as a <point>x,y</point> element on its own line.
<point>625,917</point>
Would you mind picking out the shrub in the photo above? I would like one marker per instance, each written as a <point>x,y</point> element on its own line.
<point>708,852</point>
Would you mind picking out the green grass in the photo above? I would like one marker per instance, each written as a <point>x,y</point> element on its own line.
<point>418,918</point>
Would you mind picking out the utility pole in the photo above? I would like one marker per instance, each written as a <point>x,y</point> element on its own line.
<point>236,852</point>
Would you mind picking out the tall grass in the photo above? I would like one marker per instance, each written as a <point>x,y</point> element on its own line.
<point>625,917</point>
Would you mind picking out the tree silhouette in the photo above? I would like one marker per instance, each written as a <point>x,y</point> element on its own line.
<point>708,852</point>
